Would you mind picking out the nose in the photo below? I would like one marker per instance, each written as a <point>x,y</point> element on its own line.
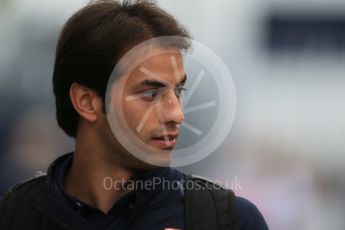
<point>171,110</point>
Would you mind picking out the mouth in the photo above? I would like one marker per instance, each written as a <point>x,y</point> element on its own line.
<point>165,142</point>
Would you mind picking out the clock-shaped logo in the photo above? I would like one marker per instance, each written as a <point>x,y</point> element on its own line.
<point>152,116</point>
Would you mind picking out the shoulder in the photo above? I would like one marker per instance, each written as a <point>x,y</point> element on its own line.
<point>17,207</point>
<point>206,182</point>
<point>28,185</point>
<point>25,190</point>
<point>248,215</point>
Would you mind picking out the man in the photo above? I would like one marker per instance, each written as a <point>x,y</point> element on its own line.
<point>95,187</point>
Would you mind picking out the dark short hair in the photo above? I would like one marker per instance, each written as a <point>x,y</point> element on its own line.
<point>93,41</point>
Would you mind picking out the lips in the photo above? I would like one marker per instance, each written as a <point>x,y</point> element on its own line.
<point>166,137</point>
<point>165,142</point>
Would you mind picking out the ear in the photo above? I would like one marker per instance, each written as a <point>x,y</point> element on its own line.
<point>86,102</point>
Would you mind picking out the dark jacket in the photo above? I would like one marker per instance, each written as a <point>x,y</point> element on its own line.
<point>38,204</point>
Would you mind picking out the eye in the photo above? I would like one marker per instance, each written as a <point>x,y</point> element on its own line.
<point>151,94</point>
<point>179,90</point>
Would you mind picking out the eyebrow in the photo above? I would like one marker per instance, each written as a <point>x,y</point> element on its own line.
<point>183,80</point>
<point>158,84</point>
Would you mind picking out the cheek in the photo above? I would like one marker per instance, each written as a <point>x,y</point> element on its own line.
<point>138,118</point>
<point>131,113</point>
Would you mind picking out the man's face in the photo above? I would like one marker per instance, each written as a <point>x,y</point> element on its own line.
<point>151,99</point>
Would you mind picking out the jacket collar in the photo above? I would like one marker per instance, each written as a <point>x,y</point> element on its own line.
<point>54,205</point>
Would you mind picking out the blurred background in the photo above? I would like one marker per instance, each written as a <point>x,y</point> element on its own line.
<point>287,58</point>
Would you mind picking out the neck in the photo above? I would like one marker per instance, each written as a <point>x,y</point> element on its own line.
<point>93,175</point>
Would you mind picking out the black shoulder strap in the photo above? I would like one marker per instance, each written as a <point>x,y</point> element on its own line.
<point>207,205</point>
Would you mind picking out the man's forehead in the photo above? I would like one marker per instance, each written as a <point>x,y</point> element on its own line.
<point>165,67</point>
<point>162,57</point>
